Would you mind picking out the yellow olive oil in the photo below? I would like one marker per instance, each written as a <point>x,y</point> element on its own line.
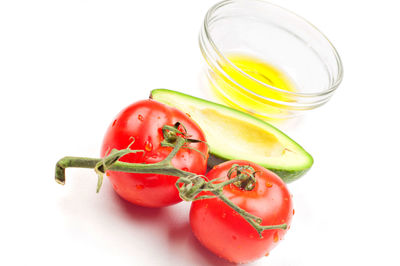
<point>255,91</point>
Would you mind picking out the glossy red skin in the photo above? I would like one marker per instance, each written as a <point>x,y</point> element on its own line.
<point>227,234</point>
<point>143,120</point>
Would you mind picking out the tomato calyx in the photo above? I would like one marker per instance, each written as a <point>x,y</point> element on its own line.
<point>246,176</point>
<point>172,133</point>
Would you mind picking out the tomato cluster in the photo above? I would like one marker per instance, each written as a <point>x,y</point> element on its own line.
<point>217,226</point>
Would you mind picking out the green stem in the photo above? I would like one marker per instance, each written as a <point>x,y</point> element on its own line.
<point>250,218</point>
<point>189,185</point>
<point>190,188</point>
<point>164,167</point>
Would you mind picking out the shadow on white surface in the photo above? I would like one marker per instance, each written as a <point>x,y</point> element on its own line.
<point>172,224</point>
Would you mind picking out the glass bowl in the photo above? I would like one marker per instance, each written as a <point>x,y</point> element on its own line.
<point>272,35</point>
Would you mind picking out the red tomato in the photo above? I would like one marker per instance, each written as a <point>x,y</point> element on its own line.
<point>143,121</point>
<point>226,233</point>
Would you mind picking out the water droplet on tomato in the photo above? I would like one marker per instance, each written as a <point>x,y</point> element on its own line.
<point>268,185</point>
<point>224,215</point>
<point>140,117</point>
<point>188,115</point>
<point>115,121</point>
<point>267,254</point>
<point>293,211</point>
<point>234,237</point>
<point>185,169</point>
<point>148,146</point>
<point>276,237</point>
<point>140,187</point>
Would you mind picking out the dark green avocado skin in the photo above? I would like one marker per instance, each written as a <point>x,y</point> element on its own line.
<point>286,175</point>
<point>289,176</point>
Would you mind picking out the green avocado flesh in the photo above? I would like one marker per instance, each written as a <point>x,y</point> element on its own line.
<point>235,135</point>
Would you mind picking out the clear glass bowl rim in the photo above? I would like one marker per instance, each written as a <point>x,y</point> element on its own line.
<point>331,89</point>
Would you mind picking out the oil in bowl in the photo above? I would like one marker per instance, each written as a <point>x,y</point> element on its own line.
<point>263,78</point>
<point>267,61</point>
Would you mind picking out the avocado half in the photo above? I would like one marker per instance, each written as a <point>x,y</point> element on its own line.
<point>235,135</point>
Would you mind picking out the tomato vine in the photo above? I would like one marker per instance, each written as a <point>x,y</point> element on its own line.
<point>189,185</point>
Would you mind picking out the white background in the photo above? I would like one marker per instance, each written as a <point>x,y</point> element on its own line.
<point>68,67</point>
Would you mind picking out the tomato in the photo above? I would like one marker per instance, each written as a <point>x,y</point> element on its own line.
<point>143,122</point>
<point>227,234</point>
